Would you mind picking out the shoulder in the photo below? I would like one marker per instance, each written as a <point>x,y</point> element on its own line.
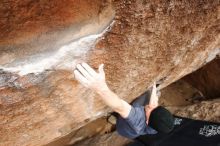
<point>136,113</point>
<point>134,125</point>
<point>137,118</point>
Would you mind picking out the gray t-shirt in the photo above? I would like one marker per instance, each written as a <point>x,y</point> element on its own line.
<point>135,124</point>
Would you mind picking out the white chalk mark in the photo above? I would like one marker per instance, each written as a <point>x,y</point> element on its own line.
<point>213,54</point>
<point>64,58</point>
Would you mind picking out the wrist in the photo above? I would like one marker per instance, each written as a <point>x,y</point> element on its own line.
<point>152,106</point>
<point>102,90</point>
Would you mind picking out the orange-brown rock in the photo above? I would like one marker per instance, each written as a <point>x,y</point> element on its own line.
<point>207,79</point>
<point>148,40</point>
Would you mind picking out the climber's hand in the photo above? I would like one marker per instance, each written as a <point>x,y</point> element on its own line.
<point>88,77</point>
<point>96,81</point>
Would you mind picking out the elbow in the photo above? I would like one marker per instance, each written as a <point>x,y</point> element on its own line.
<point>123,109</point>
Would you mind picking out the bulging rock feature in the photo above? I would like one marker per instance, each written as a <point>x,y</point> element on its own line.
<point>146,41</point>
<point>32,32</point>
<point>66,57</point>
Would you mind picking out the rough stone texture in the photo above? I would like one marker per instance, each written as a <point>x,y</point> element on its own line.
<point>111,139</point>
<point>206,110</point>
<point>99,126</point>
<point>29,27</point>
<point>149,40</point>
<point>179,93</point>
<point>207,79</point>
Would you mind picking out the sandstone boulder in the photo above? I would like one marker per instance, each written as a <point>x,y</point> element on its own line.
<point>207,79</point>
<point>139,41</point>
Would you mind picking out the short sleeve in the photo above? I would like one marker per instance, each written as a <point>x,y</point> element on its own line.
<point>135,124</point>
<point>137,119</point>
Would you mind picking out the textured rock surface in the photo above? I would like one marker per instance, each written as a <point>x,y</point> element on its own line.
<point>179,93</point>
<point>149,40</point>
<point>206,110</point>
<point>111,139</point>
<point>207,79</point>
<point>99,127</point>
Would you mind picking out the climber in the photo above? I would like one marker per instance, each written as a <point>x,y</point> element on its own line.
<point>143,116</point>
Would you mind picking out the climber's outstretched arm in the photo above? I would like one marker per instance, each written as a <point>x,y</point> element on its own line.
<point>96,81</point>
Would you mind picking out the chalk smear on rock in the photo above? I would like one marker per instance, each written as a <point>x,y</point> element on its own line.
<point>66,57</point>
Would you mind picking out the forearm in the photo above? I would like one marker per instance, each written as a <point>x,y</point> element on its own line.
<point>116,103</point>
<point>154,98</point>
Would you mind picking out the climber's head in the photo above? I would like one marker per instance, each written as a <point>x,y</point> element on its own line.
<point>161,120</point>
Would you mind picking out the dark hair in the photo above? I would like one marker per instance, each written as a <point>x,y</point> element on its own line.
<point>161,120</point>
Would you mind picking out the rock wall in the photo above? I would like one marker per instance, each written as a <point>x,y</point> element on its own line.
<point>139,41</point>
<point>207,79</point>
<point>179,93</point>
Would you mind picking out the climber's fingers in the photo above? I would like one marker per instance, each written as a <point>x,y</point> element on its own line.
<point>80,78</point>
<point>101,69</point>
<point>84,72</point>
<point>83,75</point>
<point>90,70</point>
